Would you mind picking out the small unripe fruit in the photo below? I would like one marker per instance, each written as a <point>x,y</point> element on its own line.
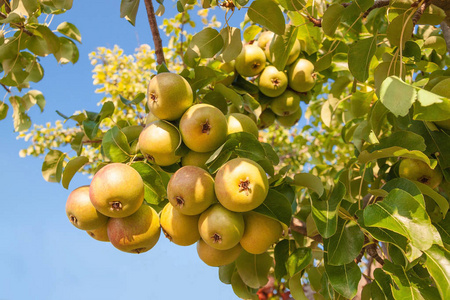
<point>221,228</point>
<point>241,123</point>
<point>216,258</point>
<point>117,190</point>
<point>417,170</point>
<point>251,61</point>
<point>272,82</point>
<point>191,190</point>
<point>178,228</point>
<point>286,104</point>
<point>241,185</point>
<point>137,233</point>
<point>168,96</point>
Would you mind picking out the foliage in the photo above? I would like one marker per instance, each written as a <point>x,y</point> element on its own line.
<point>338,179</point>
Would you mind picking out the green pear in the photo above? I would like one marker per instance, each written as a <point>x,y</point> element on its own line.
<point>159,140</point>
<point>221,228</point>
<point>442,88</point>
<point>264,38</point>
<point>203,128</point>
<point>294,53</point>
<point>286,104</point>
<point>301,75</point>
<point>266,118</point>
<point>251,61</point>
<point>291,120</point>
<point>168,96</point>
<point>417,170</point>
<point>272,82</point>
<point>241,123</point>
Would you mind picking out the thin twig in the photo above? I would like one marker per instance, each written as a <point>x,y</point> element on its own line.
<point>300,227</point>
<point>377,4</point>
<point>420,11</point>
<point>155,32</point>
<point>6,88</point>
<point>18,25</point>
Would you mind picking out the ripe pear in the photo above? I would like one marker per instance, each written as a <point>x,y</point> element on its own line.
<point>291,120</point>
<point>295,52</point>
<point>266,118</point>
<point>241,185</point>
<point>286,104</point>
<point>443,89</point>
<point>159,140</point>
<point>216,258</point>
<point>260,232</point>
<point>168,96</point>
<point>251,61</point>
<point>117,190</point>
<point>80,211</point>
<point>241,123</point>
<point>221,228</point>
<point>301,75</point>
<point>100,234</point>
<point>417,170</point>
<point>178,228</point>
<point>137,233</point>
<point>272,82</point>
<point>264,38</point>
<point>197,159</point>
<point>191,190</point>
<point>203,128</point>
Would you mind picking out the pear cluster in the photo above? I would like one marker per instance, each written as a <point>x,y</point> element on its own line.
<point>112,209</point>
<point>284,88</point>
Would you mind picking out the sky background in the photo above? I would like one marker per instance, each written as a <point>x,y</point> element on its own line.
<point>43,256</point>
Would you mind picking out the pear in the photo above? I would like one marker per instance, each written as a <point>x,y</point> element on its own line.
<point>264,38</point>
<point>100,234</point>
<point>220,228</point>
<point>80,211</point>
<point>117,190</point>
<point>417,170</point>
<point>203,128</point>
<point>168,96</point>
<point>301,75</point>
<point>197,159</point>
<point>137,233</point>
<point>442,89</point>
<point>191,190</point>
<point>260,232</point>
<point>241,185</point>
<point>272,82</point>
<point>294,53</point>
<point>178,228</point>
<point>286,104</point>
<point>251,61</point>
<point>266,118</point>
<point>216,258</point>
<point>291,120</point>
<point>241,123</point>
<point>159,140</point>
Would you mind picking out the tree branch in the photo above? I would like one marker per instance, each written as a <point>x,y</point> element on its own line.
<point>419,11</point>
<point>6,88</point>
<point>300,227</point>
<point>446,32</point>
<point>18,25</point>
<point>377,4</point>
<point>155,32</point>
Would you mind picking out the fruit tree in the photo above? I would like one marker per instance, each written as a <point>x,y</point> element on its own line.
<point>303,146</point>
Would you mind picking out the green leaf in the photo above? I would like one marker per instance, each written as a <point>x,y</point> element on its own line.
<point>401,213</point>
<point>444,230</point>
<point>68,51</point>
<point>232,44</point>
<point>281,46</point>
<point>344,279</point>
<point>397,96</point>
<point>276,206</point>
<point>250,32</point>
<point>154,188</point>
<point>345,245</point>
<point>311,35</point>
<point>331,19</point>
<point>405,139</point>
<point>3,110</point>
<point>77,142</point>
<point>128,10</point>
<point>383,281</point>
<point>226,272</point>
<point>207,42</point>
<point>203,77</point>
<point>309,181</point>
<point>115,145</point>
<point>138,99</point>
<point>293,5</point>
<point>400,30</point>
<point>273,21</point>
<point>21,119</point>
<point>53,166</point>
<point>240,288</point>
<point>35,97</point>
<point>438,198</point>
<point>366,156</point>
<point>296,287</point>
<point>24,7</point>
<point>282,251</point>
<point>431,107</point>
<point>49,37</point>
<point>69,30</point>
<point>72,167</point>
<point>405,185</point>
<point>437,43</point>
<point>230,95</point>
<point>360,55</point>
<point>360,103</point>
<point>254,268</point>
<point>298,261</point>
<point>405,288</point>
<point>10,48</point>
<point>324,212</point>
<point>438,264</point>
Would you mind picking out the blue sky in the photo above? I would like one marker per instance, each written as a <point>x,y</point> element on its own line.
<point>42,256</point>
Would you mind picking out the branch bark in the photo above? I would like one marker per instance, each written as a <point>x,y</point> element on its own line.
<point>155,32</point>
<point>446,32</point>
<point>300,227</point>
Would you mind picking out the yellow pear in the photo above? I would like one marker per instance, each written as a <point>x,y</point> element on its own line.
<point>216,258</point>
<point>178,228</point>
<point>260,232</point>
